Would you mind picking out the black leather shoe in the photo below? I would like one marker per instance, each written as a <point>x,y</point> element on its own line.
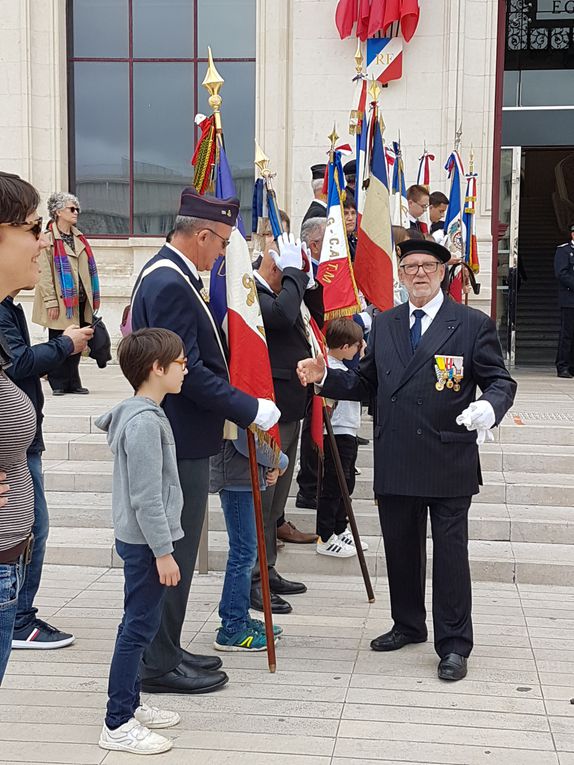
<point>58,392</point>
<point>278,605</point>
<point>310,503</point>
<point>281,586</point>
<point>185,679</point>
<point>199,661</point>
<point>393,640</point>
<point>82,391</point>
<point>452,667</point>
<point>565,374</point>
<point>362,441</point>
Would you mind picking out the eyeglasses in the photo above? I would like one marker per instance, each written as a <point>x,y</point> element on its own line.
<point>35,226</point>
<point>413,268</point>
<point>225,241</point>
<point>181,362</point>
<point>424,207</point>
<point>73,209</point>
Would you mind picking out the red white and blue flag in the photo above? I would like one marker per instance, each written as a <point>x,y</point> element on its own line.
<point>375,263</point>
<point>454,225</point>
<point>423,179</point>
<point>399,204</point>
<point>385,59</point>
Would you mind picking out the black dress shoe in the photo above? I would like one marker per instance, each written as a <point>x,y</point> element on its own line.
<point>185,679</point>
<point>278,605</point>
<point>452,667</point>
<point>565,374</point>
<point>199,661</point>
<point>393,640</point>
<point>80,390</point>
<point>362,441</point>
<point>281,586</point>
<point>58,392</point>
<point>310,503</point>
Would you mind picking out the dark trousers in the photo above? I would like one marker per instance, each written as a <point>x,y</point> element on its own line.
<point>165,653</point>
<point>565,353</point>
<point>67,376</point>
<point>143,597</point>
<point>274,498</point>
<point>308,460</point>
<point>404,521</point>
<point>331,515</point>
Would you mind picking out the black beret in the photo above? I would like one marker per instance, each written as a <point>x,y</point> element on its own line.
<point>318,172</point>
<point>194,205</point>
<point>423,247</point>
<point>572,227</point>
<point>350,167</point>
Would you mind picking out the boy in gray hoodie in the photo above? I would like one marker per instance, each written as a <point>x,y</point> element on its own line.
<point>146,509</point>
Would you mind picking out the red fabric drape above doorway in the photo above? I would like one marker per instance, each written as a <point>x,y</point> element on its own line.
<point>372,16</point>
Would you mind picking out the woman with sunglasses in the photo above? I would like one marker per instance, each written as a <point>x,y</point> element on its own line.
<point>21,242</point>
<point>69,287</point>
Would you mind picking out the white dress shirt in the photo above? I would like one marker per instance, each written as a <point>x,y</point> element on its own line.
<point>431,309</point>
<point>192,267</point>
<point>262,281</point>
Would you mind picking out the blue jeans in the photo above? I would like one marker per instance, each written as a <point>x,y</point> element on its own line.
<point>240,522</point>
<point>26,613</point>
<point>143,604</point>
<point>11,579</point>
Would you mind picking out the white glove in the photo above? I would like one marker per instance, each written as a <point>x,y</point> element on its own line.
<point>478,416</point>
<point>483,435</point>
<point>308,266</point>
<point>267,414</point>
<point>289,252</point>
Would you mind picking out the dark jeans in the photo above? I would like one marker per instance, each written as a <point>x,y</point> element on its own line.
<point>331,515</point>
<point>26,613</point>
<point>143,600</point>
<point>164,654</point>
<point>67,376</point>
<point>404,523</point>
<point>308,459</point>
<point>565,353</point>
<point>240,523</point>
<point>274,498</point>
<point>12,577</point>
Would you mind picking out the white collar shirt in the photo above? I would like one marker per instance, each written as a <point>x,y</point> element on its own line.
<point>262,281</point>
<point>192,267</point>
<point>431,309</point>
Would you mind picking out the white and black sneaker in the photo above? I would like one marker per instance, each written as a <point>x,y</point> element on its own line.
<point>41,636</point>
<point>334,547</point>
<point>347,539</point>
<point>134,737</point>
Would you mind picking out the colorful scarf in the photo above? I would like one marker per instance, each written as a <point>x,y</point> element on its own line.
<point>63,268</point>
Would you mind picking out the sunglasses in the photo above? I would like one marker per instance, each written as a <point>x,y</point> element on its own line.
<point>73,209</point>
<point>34,226</point>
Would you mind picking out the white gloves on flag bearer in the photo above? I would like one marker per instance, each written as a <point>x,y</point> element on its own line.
<point>267,414</point>
<point>289,252</point>
<point>478,416</point>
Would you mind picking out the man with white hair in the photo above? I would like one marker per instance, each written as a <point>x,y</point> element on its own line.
<point>318,207</point>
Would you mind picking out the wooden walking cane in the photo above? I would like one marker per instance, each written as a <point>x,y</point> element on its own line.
<point>348,505</point>
<point>262,553</point>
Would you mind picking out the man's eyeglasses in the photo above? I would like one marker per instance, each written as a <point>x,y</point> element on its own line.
<point>225,241</point>
<point>413,268</point>
<point>73,209</point>
<point>181,362</point>
<point>34,226</point>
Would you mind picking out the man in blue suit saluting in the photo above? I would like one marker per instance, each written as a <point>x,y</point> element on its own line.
<point>169,293</point>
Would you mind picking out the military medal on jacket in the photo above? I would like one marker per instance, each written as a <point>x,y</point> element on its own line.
<point>449,372</point>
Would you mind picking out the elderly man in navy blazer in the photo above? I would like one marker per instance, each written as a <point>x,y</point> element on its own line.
<point>169,293</point>
<point>424,362</point>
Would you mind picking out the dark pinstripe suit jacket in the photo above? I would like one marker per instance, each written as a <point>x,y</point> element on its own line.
<point>419,449</point>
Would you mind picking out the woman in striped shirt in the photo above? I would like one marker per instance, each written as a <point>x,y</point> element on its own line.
<point>21,242</point>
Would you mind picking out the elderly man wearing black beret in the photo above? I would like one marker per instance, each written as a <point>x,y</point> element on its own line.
<point>169,293</point>
<point>425,360</point>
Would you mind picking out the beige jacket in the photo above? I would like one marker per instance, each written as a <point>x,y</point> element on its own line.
<point>48,288</point>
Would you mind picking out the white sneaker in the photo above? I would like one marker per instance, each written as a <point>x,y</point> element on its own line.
<point>152,717</point>
<point>335,548</point>
<point>347,539</point>
<point>133,737</point>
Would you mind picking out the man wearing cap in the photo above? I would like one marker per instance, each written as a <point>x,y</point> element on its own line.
<point>318,207</point>
<point>424,362</point>
<point>564,272</point>
<point>169,293</point>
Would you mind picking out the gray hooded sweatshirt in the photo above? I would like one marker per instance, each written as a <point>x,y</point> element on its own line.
<point>146,495</point>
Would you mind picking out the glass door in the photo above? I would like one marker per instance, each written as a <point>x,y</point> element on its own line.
<point>507,279</point>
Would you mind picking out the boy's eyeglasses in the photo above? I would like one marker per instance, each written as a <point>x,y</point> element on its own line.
<point>34,226</point>
<point>181,362</point>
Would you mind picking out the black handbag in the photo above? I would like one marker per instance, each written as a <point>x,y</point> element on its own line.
<point>100,344</point>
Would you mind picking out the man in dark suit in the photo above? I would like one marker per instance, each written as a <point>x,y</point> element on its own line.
<point>424,362</point>
<point>564,272</point>
<point>281,284</point>
<point>318,207</point>
<point>169,293</point>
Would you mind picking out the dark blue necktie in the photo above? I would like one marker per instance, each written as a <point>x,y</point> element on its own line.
<point>416,329</point>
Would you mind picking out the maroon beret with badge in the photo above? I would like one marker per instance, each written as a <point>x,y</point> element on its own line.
<point>194,205</point>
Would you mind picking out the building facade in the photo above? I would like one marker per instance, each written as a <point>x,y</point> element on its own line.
<point>99,97</point>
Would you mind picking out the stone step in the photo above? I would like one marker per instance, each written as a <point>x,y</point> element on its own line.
<point>509,562</point>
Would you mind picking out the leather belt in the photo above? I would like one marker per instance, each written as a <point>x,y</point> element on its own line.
<point>13,554</point>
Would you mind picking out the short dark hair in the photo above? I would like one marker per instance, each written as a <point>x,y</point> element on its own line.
<point>349,203</point>
<point>138,351</point>
<point>18,198</point>
<point>285,220</point>
<point>342,332</point>
<point>416,191</point>
<point>438,198</point>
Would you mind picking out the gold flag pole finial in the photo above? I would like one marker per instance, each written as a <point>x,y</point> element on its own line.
<point>212,82</point>
<point>358,58</point>
<point>262,161</point>
<point>471,160</point>
<point>333,137</point>
<point>375,89</point>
